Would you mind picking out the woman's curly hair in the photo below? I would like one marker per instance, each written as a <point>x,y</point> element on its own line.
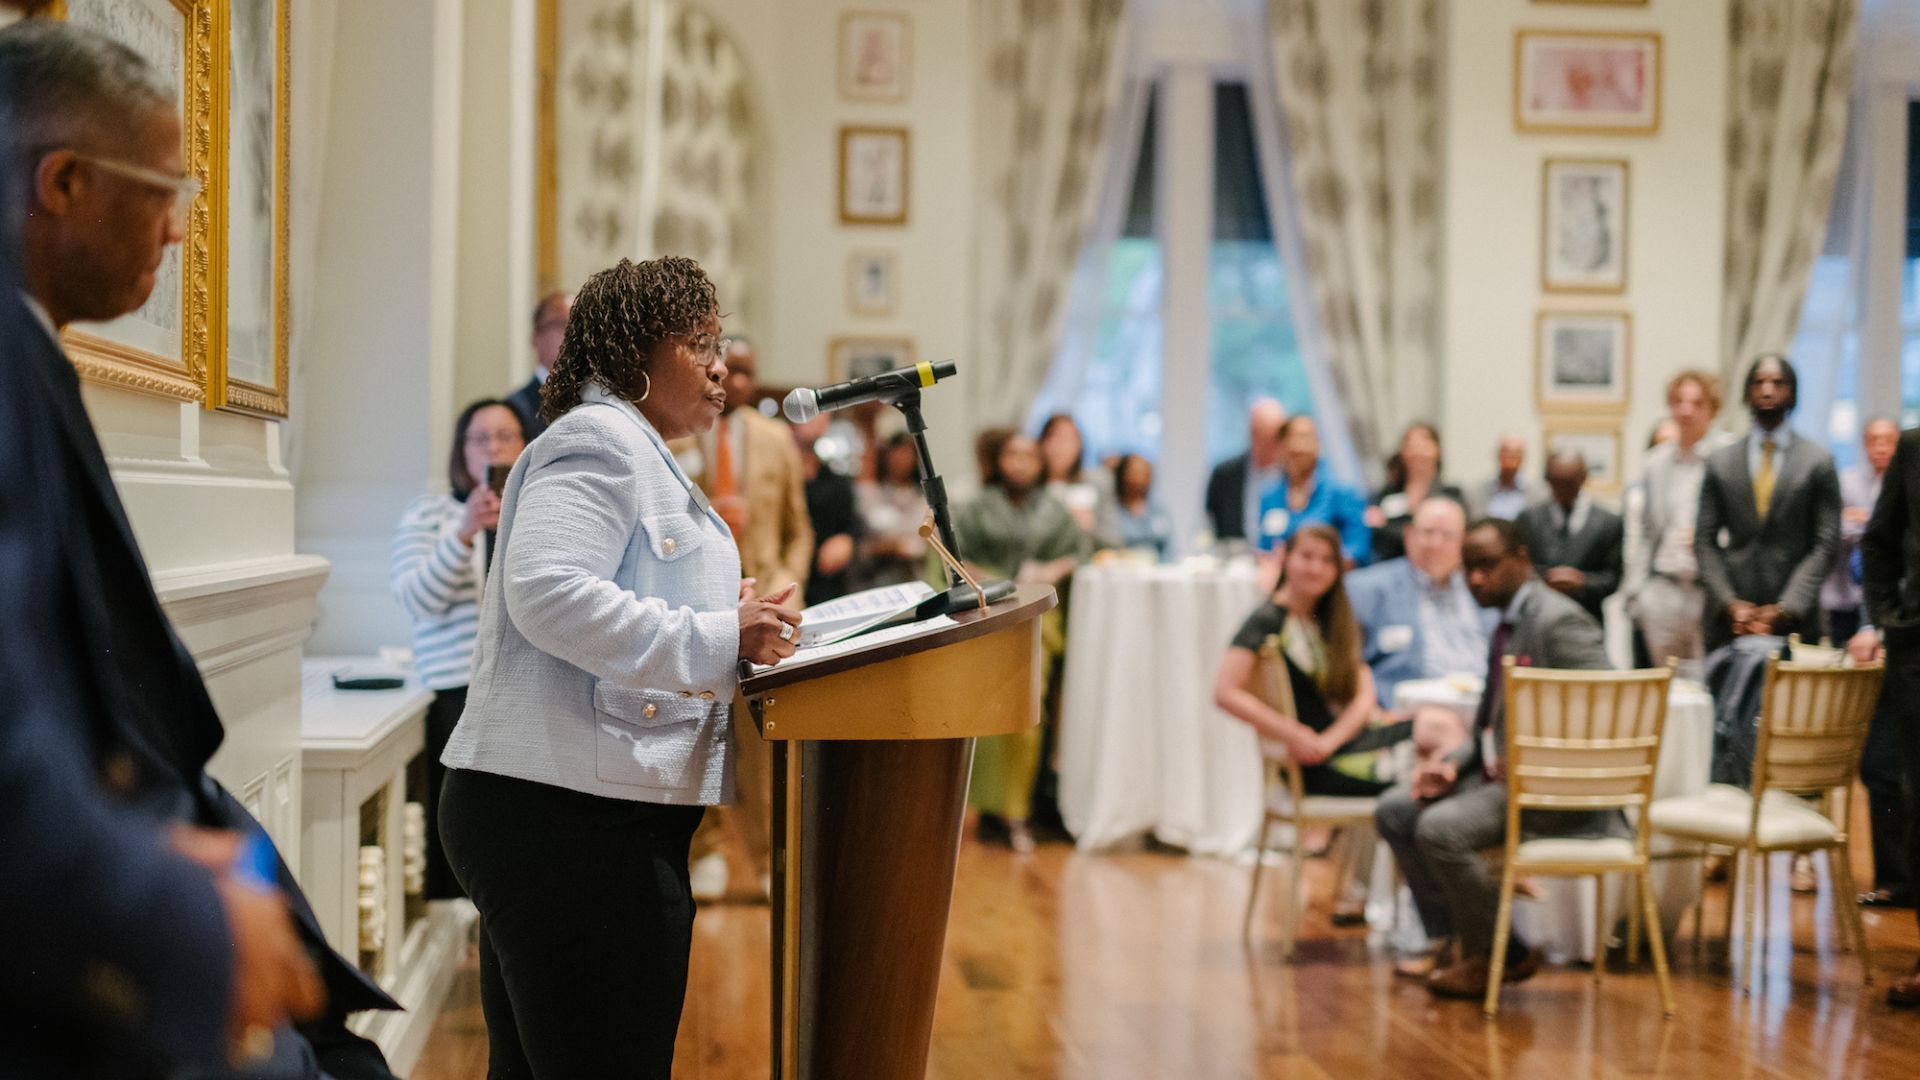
<point>619,317</point>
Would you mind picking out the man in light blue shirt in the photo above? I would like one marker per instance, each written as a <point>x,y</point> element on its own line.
<point>1417,618</point>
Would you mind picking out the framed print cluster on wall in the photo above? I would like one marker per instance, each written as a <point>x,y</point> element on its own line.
<point>874,166</point>
<point>214,328</point>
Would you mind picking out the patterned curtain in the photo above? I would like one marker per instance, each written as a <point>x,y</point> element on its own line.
<point>1791,71</point>
<point>1359,89</point>
<point>1049,85</point>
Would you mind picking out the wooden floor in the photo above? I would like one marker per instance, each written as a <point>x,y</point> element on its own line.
<point>1110,967</point>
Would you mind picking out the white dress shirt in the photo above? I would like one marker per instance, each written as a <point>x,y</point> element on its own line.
<point>1673,551</point>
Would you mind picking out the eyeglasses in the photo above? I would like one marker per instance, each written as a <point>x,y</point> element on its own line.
<point>481,439</point>
<point>185,189</point>
<point>708,348</point>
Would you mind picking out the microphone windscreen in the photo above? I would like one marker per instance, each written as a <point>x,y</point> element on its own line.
<point>801,405</point>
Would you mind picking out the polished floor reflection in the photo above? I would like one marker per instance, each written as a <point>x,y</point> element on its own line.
<point>1108,967</point>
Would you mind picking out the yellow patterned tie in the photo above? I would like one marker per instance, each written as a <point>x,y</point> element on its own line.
<point>1763,480</point>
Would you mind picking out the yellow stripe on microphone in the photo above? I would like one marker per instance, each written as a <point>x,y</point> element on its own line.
<point>925,367</point>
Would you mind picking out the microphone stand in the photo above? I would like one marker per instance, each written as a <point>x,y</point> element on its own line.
<point>959,595</point>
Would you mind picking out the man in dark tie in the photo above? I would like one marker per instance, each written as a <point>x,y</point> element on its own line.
<point>1890,578</point>
<point>92,191</point>
<point>1769,523</point>
<point>1451,810</point>
<point>549,328</point>
<point>1576,545</point>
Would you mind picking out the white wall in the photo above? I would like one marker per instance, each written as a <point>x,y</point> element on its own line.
<point>1492,238</point>
<point>375,360</point>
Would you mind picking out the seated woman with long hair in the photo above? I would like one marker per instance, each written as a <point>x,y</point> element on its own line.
<point>1331,739</point>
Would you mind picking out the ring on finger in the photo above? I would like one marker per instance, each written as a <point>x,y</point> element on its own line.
<point>786,631</point>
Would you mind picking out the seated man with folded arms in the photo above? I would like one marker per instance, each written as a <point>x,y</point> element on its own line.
<point>1451,810</point>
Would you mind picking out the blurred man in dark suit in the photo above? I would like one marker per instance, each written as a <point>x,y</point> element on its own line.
<point>94,192</point>
<point>549,327</point>
<point>1576,545</point>
<point>1769,521</point>
<point>1890,578</point>
<point>1236,484</point>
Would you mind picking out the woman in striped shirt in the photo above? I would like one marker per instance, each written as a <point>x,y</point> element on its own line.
<point>440,556</point>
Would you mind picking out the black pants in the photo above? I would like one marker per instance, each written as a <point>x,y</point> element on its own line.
<point>442,716</point>
<point>586,920</point>
<point>1900,708</point>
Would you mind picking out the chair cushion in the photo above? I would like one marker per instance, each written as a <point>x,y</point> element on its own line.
<point>1324,807</point>
<point>1574,849</point>
<point>1720,815</point>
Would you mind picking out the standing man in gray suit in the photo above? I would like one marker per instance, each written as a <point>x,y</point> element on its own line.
<point>1769,521</point>
<point>1575,544</point>
<point>1662,586</point>
<point>1451,810</point>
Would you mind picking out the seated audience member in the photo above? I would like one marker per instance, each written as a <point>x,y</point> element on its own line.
<point>1417,618</point>
<point>1014,529</point>
<point>1859,490</point>
<point>1769,522</point>
<point>1332,686</point>
<point>1576,545</point>
<point>1142,524</point>
<point>1306,495</point>
<point>441,556</point>
<point>1449,811</point>
<point>549,326</point>
<point>1235,486</point>
<point>1508,492</point>
<point>1086,494</point>
<point>892,509</point>
<point>831,512</point>
<point>1662,577</point>
<point>1413,474</point>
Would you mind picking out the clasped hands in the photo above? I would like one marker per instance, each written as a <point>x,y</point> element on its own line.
<point>1756,618</point>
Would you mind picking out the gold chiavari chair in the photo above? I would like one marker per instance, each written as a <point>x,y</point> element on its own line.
<point>1813,723</point>
<point>1582,741</point>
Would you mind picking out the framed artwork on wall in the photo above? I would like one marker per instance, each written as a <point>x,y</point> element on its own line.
<point>165,346</point>
<point>858,357</point>
<point>870,282</point>
<point>1596,82</point>
<point>876,56</point>
<point>253,375</point>
<point>1582,361</point>
<point>873,175</point>
<point>1597,442</point>
<point>1583,225</point>
<point>1595,3</point>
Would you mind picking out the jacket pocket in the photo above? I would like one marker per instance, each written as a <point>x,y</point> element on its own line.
<point>671,536</point>
<point>651,738</point>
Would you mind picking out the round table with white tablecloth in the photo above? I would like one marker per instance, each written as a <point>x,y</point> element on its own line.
<point>1561,921</point>
<point>1141,747</point>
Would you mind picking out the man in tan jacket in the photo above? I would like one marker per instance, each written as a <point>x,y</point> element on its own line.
<point>748,465</point>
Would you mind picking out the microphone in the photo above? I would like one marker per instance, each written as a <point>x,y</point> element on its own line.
<point>804,404</point>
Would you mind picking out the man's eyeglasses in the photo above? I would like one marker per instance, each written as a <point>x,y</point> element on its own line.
<point>485,440</point>
<point>185,189</point>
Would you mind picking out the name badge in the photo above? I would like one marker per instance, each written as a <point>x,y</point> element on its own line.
<point>1394,505</point>
<point>1393,639</point>
<point>1274,522</point>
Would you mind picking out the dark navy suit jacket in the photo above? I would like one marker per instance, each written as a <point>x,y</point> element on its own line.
<point>122,961</point>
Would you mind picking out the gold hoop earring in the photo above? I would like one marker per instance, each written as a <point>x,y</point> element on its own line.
<point>648,390</point>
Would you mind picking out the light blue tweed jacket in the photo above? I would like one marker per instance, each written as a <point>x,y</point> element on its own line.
<point>610,627</point>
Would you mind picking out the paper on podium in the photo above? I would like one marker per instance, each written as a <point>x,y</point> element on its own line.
<point>842,618</point>
<point>809,653</point>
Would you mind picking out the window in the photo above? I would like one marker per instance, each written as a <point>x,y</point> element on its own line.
<point>1910,280</point>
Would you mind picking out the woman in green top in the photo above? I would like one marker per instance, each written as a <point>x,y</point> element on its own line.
<point>1333,687</point>
<point>1015,530</point>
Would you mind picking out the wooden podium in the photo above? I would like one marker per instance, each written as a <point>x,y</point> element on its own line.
<point>871,754</point>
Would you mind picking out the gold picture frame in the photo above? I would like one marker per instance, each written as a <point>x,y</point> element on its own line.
<point>1598,440</point>
<point>855,357</point>
<point>1583,361</point>
<point>1585,256</point>
<point>103,354</point>
<point>875,174</point>
<point>1546,102</point>
<point>227,387</point>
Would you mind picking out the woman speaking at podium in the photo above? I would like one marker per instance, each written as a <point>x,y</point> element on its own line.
<point>596,727</point>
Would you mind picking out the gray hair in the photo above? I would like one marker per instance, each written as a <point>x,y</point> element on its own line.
<point>65,86</point>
